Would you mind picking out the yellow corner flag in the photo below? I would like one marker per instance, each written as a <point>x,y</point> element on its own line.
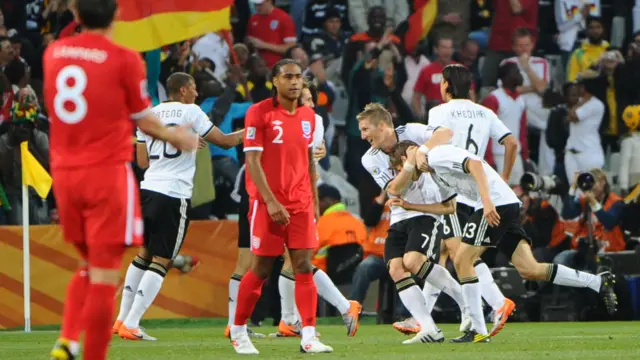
<point>33,174</point>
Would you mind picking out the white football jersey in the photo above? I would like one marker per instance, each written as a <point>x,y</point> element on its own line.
<point>472,125</point>
<point>424,191</point>
<point>378,164</point>
<point>318,133</point>
<point>448,164</point>
<point>170,170</point>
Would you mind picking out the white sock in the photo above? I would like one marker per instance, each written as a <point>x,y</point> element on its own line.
<point>431,294</point>
<point>413,300</point>
<point>286,286</point>
<point>328,290</point>
<point>234,285</point>
<point>569,277</point>
<point>472,297</point>
<point>131,282</point>
<point>308,333</point>
<point>147,291</point>
<point>441,278</point>
<point>237,329</point>
<point>490,291</point>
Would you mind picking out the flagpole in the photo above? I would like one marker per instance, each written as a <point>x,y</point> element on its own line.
<point>26,267</point>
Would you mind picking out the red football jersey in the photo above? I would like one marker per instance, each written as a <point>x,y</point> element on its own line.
<point>284,140</point>
<point>276,28</point>
<point>93,89</point>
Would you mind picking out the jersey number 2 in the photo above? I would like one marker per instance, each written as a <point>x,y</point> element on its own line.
<point>278,138</point>
<point>73,94</point>
<point>165,153</point>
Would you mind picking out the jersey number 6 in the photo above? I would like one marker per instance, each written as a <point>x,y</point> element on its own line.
<point>165,153</point>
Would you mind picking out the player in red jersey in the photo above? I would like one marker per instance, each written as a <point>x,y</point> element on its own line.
<point>93,90</point>
<point>283,202</point>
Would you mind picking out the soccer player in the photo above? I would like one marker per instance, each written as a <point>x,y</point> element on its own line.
<point>93,90</point>
<point>280,179</point>
<point>166,196</point>
<point>473,126</point>
<point>289,325</point>
<point>410,232</point>
<point>495,222</point>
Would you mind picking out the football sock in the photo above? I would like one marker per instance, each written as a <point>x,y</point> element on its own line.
<point>471,291</point>
<point>440,278</point>
<point>234,284</point>
<point>413,300</point>
<point>431,294</point>
<point>98,314</point>
<point>306,295</point>
<point>562,275</point>
<point>328,290</point>
<point>488,287</point>
<point>74,304</point>
<point>248,295</point>
<point>135,271</point>
<point>286,287</point>
<point>148,289</point>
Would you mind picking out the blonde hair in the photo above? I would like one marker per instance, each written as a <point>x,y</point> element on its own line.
<point>376,113</point>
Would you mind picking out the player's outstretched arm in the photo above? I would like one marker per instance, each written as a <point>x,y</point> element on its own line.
<point>254,166</point>
<point>510,153</point>
<point>180,137</point>
<point>447,207</point>
<point>225,141</point>
<point>399,184</point>
<point>476,170</point>
<point>440,136</point>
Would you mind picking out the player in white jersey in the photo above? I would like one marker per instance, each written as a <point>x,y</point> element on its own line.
<point>165,196</point>
<point>410,232</point>
<point>473,126</point>
<point>494,223</point>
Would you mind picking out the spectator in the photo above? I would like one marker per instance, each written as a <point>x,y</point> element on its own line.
<point>17,73</point>
<point>414,62</point>
<point>177,60</point>
<point>480,22</point>
<point>6,52</point>
<point>467,55</point>
<point>329,40</point>
<point>271,31</point>
<point>56,16</point>
<point>242,53</point>
<point>428,83</point>
<point>630,158</point>
<point>627,77</point>
<point>590,51</point>
<point>571,18</point>
<point>557,131</point>
<point>607,208</point>
<point>507,17</point>
<point>452,21</point>
<point>583,150</point>
<point>395,13</point>
<point>536,75</point>
<point>336,227</point>
<point>510,108</point>
<point>318,12</point>
<point>214,47</point>
<point>257,87</point>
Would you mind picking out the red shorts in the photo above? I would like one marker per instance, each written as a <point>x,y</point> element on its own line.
<point>99,211</point>
<point>269,238</point>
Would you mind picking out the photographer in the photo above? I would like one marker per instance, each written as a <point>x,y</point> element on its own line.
<point>597,208</point>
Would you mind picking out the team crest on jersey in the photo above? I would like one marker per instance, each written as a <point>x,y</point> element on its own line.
<point>306,129</point>
<point>375,171</point>
<point>255,242</point>
<point>273,25</point>
<point>251,133</point>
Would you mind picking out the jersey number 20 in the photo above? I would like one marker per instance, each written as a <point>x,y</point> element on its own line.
<point>165,153</point>
<point>73,94</point>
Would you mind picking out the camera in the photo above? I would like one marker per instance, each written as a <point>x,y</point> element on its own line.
<point>531,181</point>
<point>586,181</point>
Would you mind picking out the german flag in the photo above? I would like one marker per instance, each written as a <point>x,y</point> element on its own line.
<point>420,22</point>
<point>145,25</point>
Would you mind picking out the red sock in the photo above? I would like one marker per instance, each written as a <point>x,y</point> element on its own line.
<point>248,295</point>
<point>74,304</point>
<point>306,298</point>
<point>98,315</point>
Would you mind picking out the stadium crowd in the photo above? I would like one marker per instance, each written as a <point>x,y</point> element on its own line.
<point>562,75</point>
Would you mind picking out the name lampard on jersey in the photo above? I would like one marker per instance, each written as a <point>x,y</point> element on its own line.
<point>81,53</point>
<point>467,114</point>
<point>169,113</point>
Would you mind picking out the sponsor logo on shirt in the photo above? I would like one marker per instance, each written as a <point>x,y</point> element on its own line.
<point>251,133</point>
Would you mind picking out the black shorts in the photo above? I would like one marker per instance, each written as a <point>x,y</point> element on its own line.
<point>244,228</point>
<point>505,236</point>
<point>418,233</point>
<point>453,224</point>
<point>165,223</point>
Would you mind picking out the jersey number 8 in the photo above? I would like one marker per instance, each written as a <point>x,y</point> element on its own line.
<point>165,153</point>
<point>73,94</point>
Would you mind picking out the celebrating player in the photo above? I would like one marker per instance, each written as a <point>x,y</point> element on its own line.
<point>93,89</point>
<point>494,223</point>
<point>289,325</point>
<point>473,125</point>
<point>281,177</point>
<point>166,195</point>
<point>411,232</point>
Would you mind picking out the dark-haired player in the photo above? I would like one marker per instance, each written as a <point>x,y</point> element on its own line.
<point>281,177</point>
<point>166,197</point>
<point>473,126</point>
<point>495,222</point>
<point>93,90</point>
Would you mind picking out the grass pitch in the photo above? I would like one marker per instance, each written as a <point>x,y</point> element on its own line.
<point>202,339</point>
